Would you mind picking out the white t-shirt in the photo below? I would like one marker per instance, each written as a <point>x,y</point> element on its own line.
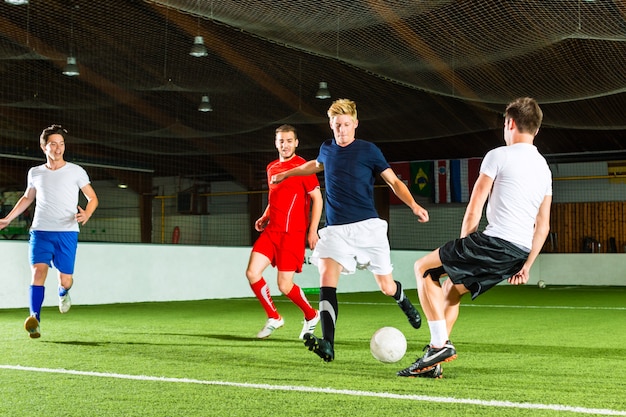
<point>522,179</point>
<point>56,198</point>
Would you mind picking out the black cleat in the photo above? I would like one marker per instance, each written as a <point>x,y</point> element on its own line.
<point>435,373</point>
<point>411,312</point>
<point>320,347</point>
<point>430,360</point>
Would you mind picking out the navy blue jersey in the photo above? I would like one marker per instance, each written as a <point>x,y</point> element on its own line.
<point>349,174</point>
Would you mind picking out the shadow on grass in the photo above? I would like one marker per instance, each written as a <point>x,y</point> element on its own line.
<point>226,337</point>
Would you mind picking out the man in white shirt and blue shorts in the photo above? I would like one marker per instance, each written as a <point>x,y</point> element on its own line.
<point>55,186</point>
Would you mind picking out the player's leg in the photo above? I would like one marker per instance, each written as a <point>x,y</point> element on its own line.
<point>374,246</point>
<point>254,272</point>
<point>394,289</point>
<point>65,283</point>
<point>64,260</point>
<point>452,295</point>
<point>297,296</point>
<point>289,260</point>
<point>39,273</point>
<point>433,302</point>
<point>432,297</point>
<point>330,271</point>
<point>328,309</point>
<point>40,254</point>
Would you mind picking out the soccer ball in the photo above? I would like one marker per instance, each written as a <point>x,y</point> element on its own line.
<point>541,284</point>
<point>388,345</point>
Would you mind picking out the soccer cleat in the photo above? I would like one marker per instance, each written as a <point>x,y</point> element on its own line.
<point>435,373</point>
<point>65,303</point>
<point>320,347</point>
<point>270,326</point>
<point>432,358</point>
<point>309,325</point>
<point>32,327</point>
<point>411,312</point>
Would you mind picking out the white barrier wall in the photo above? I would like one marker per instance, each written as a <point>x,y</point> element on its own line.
<point>126,273</point>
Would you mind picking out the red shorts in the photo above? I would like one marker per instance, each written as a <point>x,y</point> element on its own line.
<point>284,250</point>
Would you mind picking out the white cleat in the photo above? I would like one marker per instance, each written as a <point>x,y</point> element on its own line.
<point>309,325</point>
<point>270,326</point>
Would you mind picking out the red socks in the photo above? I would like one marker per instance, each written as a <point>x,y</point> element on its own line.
<point>262,292</point>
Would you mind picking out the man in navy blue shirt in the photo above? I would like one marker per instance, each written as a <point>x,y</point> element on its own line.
<point>354,236</point>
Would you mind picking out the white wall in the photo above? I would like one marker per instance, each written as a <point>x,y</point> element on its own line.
<point>126,273</point>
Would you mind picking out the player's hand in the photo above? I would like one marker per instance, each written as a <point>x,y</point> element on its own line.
<point>312,239</point>
<point>4,223</point>
<point>260,224</point>
<point>81,217</point>
<point>276,178</point>
<point>521,277</point>
<point>421,213</point>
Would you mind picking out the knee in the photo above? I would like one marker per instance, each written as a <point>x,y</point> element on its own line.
<point>67,281</point>
<point>418,268</point>
<point>252,276</point>
<point>388,287</point>
<point>285,287</point>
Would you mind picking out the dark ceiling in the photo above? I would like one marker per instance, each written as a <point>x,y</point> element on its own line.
<point>430,78</point>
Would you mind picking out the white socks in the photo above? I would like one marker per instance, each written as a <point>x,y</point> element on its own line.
<point>438,333</point>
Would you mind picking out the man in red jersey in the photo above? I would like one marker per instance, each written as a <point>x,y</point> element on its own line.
<point>283,228</point>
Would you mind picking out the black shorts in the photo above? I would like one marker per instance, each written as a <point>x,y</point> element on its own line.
<point>479,262</point>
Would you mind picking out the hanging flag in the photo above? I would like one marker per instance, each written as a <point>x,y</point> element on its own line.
<point>442,181</point>
<point>457,176</point>
<point>456,179</point>
<point>403,171</point>
<point>422,178</point>
<point>473,171</point>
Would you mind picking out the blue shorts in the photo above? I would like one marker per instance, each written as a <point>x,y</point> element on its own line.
<point>58,248</point>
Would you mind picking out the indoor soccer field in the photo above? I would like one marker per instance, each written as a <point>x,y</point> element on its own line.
<point>522,351</point>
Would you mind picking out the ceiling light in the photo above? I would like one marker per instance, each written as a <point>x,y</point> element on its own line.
<point>322,92</point>
<point>71,69</point>
<point>16,2</point>
<point>198,49</point>
<point>205,105</point>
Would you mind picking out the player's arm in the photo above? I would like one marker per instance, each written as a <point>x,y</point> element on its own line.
<point>474,210</point>
<point>22,204</point>
<point>261,222</point>
<point>542,228</point>
<point>400,189</point>
<point>83,216</point>
<point>308,168</point>
<point>316,214</point>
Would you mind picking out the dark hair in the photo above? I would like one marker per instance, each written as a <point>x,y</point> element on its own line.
<point>526,113</point>
<point>51,130</point>
<point>287,128</point>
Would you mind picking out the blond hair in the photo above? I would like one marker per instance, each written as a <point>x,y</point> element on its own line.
<point>342,106</point>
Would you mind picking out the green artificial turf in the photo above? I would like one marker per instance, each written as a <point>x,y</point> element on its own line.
<point>522,351</point>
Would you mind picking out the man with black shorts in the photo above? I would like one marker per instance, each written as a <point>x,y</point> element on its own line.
<point>517,182</point>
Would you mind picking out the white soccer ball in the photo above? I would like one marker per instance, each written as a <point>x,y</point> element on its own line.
<point>541,284</point>
<point>388,345</point>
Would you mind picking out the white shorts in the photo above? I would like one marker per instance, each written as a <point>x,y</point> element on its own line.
<point>362,245</point>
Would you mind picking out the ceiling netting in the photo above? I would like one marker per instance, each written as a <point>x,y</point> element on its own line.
<point>558,51</point>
